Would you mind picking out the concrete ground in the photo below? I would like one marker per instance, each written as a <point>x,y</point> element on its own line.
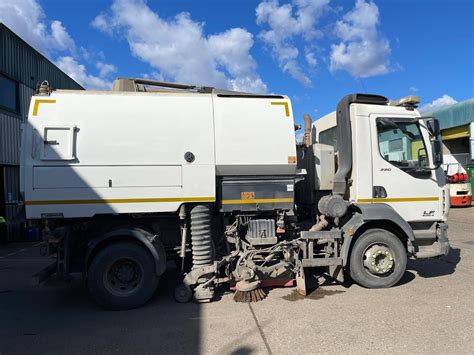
<point>430,311</point>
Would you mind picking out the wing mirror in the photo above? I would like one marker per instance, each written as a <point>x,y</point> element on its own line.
<point>437,153</point>
<point>433,126</point>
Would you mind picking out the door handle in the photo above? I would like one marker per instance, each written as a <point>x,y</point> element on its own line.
<point>379,192</point>
<point>51,142</point>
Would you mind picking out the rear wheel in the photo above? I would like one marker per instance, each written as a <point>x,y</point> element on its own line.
<point>122,276</point>
<point>378,259</point>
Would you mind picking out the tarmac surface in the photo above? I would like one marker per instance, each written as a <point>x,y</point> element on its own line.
<point>430,311</point>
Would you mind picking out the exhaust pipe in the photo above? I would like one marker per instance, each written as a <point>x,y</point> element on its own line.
<point>307,130</point>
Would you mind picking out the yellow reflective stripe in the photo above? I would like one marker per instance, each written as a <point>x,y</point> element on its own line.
<point>258,200</point>
<point>399,199</point>
<point>37,102</point>
<point>120,200</point>
<point>287,109</point>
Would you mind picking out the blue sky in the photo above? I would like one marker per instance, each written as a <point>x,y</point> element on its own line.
<point>315,51</point>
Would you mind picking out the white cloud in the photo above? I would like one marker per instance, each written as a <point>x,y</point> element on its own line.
<point>438,103</point>
<point>28,20</point>
<point>288,23</point>
<point>310,58</point>
<point>100,22</point>
<point>180,50</point>
<point>105,69</point>
<point>61,38</point>
<point>78,72</point>
<point>363,51</point>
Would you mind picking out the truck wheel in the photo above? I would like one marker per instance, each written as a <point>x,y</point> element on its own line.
<point>378,259</point>
<point>122,276</point>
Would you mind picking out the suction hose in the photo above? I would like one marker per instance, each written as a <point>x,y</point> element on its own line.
<point>201,236</point>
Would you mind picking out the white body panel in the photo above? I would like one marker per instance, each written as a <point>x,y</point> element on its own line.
<point>414,198</point>
<point>254,136</point>
<point>324,158</point>
<point>88,153</point>
<point>128,153</point>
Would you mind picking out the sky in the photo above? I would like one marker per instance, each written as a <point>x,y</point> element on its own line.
<point>314,51</point>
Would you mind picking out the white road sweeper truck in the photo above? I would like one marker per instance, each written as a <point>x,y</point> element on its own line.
<point>125,181</point>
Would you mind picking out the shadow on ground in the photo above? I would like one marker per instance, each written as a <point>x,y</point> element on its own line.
<point>442,266</point>
<point>65,319</point>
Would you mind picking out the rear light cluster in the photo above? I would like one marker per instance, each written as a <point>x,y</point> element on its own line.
<point>459,177</point>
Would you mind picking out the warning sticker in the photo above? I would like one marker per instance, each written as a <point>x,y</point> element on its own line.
<point>247,195</point>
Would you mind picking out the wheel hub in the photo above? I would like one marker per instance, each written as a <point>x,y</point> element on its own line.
<point>379,260</point>
<point>123,276</point>
<point>125,273</point>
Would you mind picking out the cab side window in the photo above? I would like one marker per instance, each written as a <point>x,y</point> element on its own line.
<point>329,137</point>
<point>401,144</point>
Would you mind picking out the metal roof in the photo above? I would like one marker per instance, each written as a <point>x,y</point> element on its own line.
<point>455,115</point>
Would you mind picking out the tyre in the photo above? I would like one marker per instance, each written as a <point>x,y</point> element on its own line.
<point>378,259</point>
<point>183,293</point>
<point>122,276</point>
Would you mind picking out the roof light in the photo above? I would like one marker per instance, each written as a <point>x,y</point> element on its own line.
<point>407,101</point>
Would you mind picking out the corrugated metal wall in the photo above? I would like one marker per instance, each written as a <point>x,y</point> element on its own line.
<point>22,63</point>
<point>25,97</point>
<point>11,176</point>
<point>9,138</point>
<point>14,206</point>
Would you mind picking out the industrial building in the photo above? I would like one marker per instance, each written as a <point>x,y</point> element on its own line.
<point>457,130</point>
<point>21,68</point>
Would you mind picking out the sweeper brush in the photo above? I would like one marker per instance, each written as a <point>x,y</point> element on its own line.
<point>249,292</point>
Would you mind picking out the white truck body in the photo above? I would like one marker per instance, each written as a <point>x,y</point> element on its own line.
<point>91,152</point>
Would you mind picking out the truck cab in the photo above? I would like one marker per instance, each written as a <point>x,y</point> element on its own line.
<point>395,167</point>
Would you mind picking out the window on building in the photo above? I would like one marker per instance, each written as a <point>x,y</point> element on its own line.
<point>8,94</point>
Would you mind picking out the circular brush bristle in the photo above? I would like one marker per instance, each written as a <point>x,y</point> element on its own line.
<point>250,296</point>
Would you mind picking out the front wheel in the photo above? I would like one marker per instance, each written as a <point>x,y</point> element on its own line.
<point>378,259</point>
<point>122,276</point>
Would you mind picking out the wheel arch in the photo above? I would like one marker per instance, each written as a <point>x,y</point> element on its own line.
<point>376,216</point>
<point>131,234</point>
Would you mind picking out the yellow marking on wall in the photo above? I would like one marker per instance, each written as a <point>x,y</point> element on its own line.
<point>398,199</point>
<point>37,102</point>
<point>455,132</point>
<point>258,200</point>
<point>120,200</point>
<point>283,103</point>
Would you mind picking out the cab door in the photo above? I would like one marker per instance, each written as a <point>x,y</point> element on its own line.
<point>401,169</point>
